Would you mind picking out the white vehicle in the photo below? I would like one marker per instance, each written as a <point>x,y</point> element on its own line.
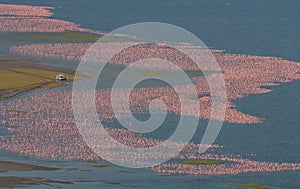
<point>61,77</point>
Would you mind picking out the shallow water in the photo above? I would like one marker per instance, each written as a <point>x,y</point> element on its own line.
<point>269,28</point>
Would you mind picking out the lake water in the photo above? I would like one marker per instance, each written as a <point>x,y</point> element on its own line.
<point>268,28</point>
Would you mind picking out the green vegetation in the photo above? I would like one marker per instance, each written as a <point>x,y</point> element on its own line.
<point>91,161</point>
<point>202,162</point>
<point>12,81</point>
<point>64,37</point>
<point>18,112</point>
<point>199,96</point>
<point>86,170</point>
<point>22,79</point>
<point>21,75</point>
<point>85,181</point>
<point>6,166</point>
<point>96,164</point>
<point>80,178</point>
<point>249,185</point>
<point>112,183</point>
<point>13,182</point>
<point>100,165</point>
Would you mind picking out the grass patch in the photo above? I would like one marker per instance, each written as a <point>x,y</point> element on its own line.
<point>202,95</point>
<point>11,81</point>
<point>202,162</point>
<point>112,183</point>
<point>14,182</point>
<point>22,79</point>
<point>83,181</point>
<point>45,74</point>
<point>249,185</point>
<point>6,166</point>
<point>86,170</point>
<point>18,112</point>
<point>100,165</point>
<point>91,161</point>
<point>63,37</point>
<point>19,75</point>
<point>80,178</point>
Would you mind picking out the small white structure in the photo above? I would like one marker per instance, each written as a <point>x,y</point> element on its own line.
<point>61,77</point>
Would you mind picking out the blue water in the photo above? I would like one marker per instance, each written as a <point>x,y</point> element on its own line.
<point>259,27</point>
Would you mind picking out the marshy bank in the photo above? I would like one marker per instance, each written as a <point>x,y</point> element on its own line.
<point>18,75</point>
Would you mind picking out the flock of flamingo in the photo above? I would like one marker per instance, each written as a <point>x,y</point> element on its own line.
<point>42,124</point>
<point>24,18</point>
<point>243,74</point>
<point>46,130</point>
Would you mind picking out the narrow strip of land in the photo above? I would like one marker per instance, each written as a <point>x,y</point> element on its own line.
<point>21,75</point>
